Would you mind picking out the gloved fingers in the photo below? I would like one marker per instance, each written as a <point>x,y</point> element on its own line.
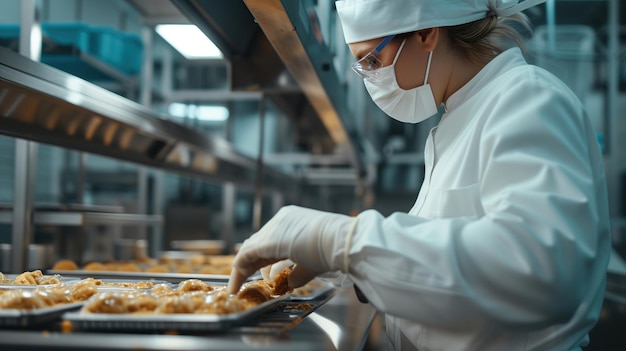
<point>242,270</point>
<point>235,281</point>
<point>278,267</point>
<point>265,273</point>
<point>299,276</point>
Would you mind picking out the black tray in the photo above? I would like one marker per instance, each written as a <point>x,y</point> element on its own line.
<point>29,318</point>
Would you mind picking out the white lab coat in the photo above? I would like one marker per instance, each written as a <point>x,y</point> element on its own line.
<point>507,245</point>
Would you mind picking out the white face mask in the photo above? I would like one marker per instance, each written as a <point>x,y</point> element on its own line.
<point>409,106</point>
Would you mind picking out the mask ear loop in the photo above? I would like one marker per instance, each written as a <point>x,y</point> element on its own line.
<point>398,53</point>
<point>430,57</point>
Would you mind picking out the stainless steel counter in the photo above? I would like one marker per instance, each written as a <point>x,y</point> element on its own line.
<point>338,322</point>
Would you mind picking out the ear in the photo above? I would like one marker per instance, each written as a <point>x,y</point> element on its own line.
<point>428,38</point>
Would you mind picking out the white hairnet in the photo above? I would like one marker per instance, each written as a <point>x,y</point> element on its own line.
<point>369,19</point>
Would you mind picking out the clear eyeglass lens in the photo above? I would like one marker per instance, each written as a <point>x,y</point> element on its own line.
<point>367,66</point>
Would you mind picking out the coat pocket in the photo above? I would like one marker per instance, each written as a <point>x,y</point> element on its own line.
<point>456,202</point>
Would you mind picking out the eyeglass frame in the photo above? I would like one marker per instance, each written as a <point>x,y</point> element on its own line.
<point>372,56</point>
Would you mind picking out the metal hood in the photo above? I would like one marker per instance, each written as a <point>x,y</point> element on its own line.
<point>267,54</point>
<point>40,103</point>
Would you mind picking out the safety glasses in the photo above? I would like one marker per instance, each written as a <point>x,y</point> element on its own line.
<point>368,65</point>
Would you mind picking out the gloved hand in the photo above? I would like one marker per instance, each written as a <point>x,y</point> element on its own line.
<point>316,241</point>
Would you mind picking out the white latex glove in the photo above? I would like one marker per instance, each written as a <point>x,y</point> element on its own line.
<point>316,241</point>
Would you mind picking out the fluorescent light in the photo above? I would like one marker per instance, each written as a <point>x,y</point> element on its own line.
<point>189,41</point>
<point>210,113</point>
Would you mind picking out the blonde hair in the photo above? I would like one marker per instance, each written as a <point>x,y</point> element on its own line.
<point>480,41</point>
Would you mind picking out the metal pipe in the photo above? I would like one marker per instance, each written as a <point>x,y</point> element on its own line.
<point>229,196</point>
<point>25,151</point>
<point>258,198</point>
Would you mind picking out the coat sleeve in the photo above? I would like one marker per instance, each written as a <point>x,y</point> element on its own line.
<point>541,248</point>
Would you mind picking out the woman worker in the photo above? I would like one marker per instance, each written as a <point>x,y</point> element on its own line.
<point>507,244</point>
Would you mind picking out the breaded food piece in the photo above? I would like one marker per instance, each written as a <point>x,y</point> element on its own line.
<point>280,285</point>
<point>91,281</point>
<point>197,259</point>
<point>255,292</point>
<point>21,300</point>
<point>131,285</point>
<point>4,279</point>
<point>186,268</point>
<point>94,266</point>
<point>141,303</point>
<point>65,265</point>
<point>56,295</point>
<point>162,290</point>
<point>28,278</point>
<point>67,327</point>
<point>107,302</point>
<point>111,266</point>
<point>159,268</point>
<point>85,289</point>
<point>128,267</point>
<point>50,280</point>
<point>221,260</point>
<point>144,284</point>
<point>211,269</point>
<point>175,304</point>
<point>193,285</point>
<point>221,302</point>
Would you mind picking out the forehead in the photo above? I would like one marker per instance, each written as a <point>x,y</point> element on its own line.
<point>362,48</point>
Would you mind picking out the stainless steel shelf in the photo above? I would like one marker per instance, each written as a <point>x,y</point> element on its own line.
<point>78,219</point>
<point>41,103</point>
<point>82,219</point>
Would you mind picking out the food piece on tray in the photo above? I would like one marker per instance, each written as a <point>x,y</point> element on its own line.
<point>36,278</point>
<point>94,266</point>
<point>221,260</point>
<point>187,303</point>
<point>4,279</point>
<point>21,300</point>
<point>211,269</point>
<point>221,302</point>
<point>142,303</point>
<point>256,292</point>
<point>158,268</point>
<point>280,285</point>
<point>186,268</point>
<point>65,265</point>
<point>121,302</point>
<point>130,285</point>
<point>56,295</point>
<point>197,259</point>
<point>28,278</point>
<point>193,285</point>
<point>50,280</point>
<point>162,290</point>
<point>84,289</point>
<point>109,302</point>
<point>128,267</point>
<point>190,296</point>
